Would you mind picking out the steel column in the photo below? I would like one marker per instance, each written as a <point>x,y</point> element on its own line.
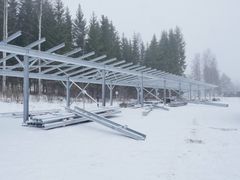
<point>26,90</point>
<point>103,88</point>
<point>138,95</point>
<point>5,36</point>
<point>68,93</point>
<point>142,93</point>
<point>205,94</point>
<point>156,92</point>
<point>180,89</point>
<point>164,92</point>
<point>198,92</point>
<point>190,92</point>
<point>169,93</point>
<point>111,94</point>
<point>213,93</point>
<point>39,46</point>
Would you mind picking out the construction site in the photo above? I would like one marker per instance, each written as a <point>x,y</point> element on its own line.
<point>175,127</point>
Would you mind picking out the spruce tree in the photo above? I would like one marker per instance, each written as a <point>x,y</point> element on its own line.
<point>136,49</point>
<point>93,37</point>
<point>48,25</point>
<point>142,53</point>
<point>152,53</point>
<point>1,19</point>
<point>163,59</point>
<point>116,50</point>
<point>27,22</point>
<point>210,69</point>
<point>79,29</point>
<point>180,50</point>
<point>196,68</point>
<point>68,31</point>
<point>60,28</point>
<point>126,49</point>
<point>105,36</point>
<point>12,16</point>
<point>172,61</point>
<point>109,39</point>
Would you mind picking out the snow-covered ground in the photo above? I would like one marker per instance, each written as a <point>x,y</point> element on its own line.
<point>193,142</point>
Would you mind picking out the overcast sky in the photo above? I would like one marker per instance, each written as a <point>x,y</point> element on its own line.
<point>213,24</point>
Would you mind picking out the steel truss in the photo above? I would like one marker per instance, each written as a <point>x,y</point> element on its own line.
<point>86,69</point>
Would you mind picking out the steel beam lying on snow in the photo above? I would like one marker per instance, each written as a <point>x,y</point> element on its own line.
<point>209,103</point>
<point>106,122</point>
<point>62,119</point>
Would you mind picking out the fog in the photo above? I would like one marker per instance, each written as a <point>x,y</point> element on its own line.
<point>212,24</point>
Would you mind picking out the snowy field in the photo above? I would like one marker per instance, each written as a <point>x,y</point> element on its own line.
<point>194,142</point>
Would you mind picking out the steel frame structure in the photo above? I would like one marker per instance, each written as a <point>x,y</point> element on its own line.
<point>87,69</point>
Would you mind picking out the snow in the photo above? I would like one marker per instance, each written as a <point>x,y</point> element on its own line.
<point>192,142</point>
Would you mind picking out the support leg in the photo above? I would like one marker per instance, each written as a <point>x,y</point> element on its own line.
<point>199,93</point>
<point>164,92</point>
<point>103,88</point>
<point>205,94</point>
<point>156,92</point>
<point>26,90</point>
<point>190,92</point>
<point>142,93</point>
<point>138,95</point>
<point>180,89</point>
<point>111,94</point>
<point>68,93</point>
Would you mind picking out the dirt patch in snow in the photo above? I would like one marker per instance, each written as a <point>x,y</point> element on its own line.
<point>194,141</point>
<point>224,129</point>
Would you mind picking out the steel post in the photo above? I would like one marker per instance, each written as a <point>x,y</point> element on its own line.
<point>138,95</point>
<point>164,92</point>
<point>103,88</point>
<point>190,92</point>
<point>5,36</point>
<point>26,90</point>
<point>156,92</point>
<point>141,92</point>
<point>39,46</point>
<point>213,93</point>
<point>68,93</point>
<point>199,93</point>
<point>180,89</point>
<point>111,94</point>
<point>205,94</point>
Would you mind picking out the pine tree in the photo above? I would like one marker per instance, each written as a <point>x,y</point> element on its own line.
<point>79,29</point>
<point>1,19</point>
<point>59,14</point>
<point>48,25</point>
<point>142,53</point>
<point>152,53</point>
<point>196,68</point>
<point>210,70</point>
<point>176,52</point>
<point>163,60</point>
<point>93,36</point>
<point>109,39</point>
<point>105,35</point>
<point>12,16</point>
<point>180,51</point>
<point>136,49</point>
<point>126,49</point>
<point>68,39</point>
<point>27,22</point>
<point>116,49</point>
<point>226,85</point>
<point>172,61</point>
